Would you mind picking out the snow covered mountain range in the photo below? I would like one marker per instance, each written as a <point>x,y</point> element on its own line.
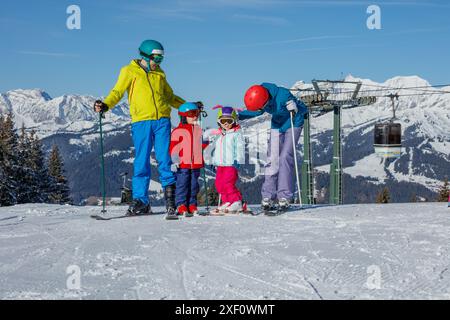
<point>70,122</point>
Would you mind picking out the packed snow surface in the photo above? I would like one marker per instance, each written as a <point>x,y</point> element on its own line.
<point>393,251</point>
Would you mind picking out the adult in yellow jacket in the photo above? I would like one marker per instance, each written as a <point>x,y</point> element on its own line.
<point>150,98</point>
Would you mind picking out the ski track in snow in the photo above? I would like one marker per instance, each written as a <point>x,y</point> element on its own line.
<point>322,252</point>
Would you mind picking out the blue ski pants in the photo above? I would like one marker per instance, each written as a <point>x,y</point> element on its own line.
<point>147,135</point>
<point>187,186</point>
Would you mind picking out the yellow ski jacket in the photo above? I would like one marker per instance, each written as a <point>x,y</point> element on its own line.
<point>149,94</point>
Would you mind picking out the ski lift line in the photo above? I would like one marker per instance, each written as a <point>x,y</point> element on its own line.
<point>351,103</point>
<point>403,88</point>
<point>418,88</point>
<point>413,94</point>
<point>393,89</point>
<point>412,89</point>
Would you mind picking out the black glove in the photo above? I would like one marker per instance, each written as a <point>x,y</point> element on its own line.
<point>102,105</point>
<point>199,105</point>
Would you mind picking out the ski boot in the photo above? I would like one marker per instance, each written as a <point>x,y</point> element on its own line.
<point>283,205</point>
<point>137,207</point>
<point>192,210</point>
<point>169,195</point>
<point>182,209</point>
<point>220,210</point>
<point>234,208</point>
<point>267,204</point>
<point>245,208</point>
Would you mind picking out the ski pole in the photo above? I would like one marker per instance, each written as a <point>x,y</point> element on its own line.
<point>295,158</point>
<point>205,182</point>
<point>102,162</point>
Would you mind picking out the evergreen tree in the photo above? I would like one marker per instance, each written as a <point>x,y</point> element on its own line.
<point>7,188</point>
<point>60,192</point>
<point>41,186</point>
<point>413,197</point>
<point>383,196</point>
<point>443,191</point>
<point>9,161</point>
<point>25,173</point>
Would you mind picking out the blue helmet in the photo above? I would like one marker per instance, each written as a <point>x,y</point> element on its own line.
<point>186,107</point>
<point>149,47</point>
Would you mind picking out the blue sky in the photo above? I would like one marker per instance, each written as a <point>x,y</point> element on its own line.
<point>215,49</point>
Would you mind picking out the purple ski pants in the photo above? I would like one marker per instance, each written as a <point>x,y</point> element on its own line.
<point>279,174</point>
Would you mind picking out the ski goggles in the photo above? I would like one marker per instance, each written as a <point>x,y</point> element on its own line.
<point>157,58</point>
<point>226,121</point>
<point>191,113</point>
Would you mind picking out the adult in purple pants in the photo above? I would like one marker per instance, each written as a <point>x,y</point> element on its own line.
<point>279,182</point>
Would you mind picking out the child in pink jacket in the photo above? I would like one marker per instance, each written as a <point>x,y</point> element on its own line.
<point>228,155</point>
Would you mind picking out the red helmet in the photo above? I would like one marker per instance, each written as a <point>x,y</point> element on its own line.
<point>256,97</point>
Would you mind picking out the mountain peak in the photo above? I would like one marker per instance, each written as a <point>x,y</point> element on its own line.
<point>35,94</point>
<point>406,81</point>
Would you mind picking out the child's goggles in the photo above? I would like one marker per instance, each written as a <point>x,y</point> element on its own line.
<point>226,121</point>
<point>191,113</point>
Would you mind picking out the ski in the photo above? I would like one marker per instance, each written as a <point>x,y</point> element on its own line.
<point>203,213</point>
<point>249,212</point>
<point>103,218</point>
<point>273,213</point>
<point>221,214</point>
<point>280,211</point>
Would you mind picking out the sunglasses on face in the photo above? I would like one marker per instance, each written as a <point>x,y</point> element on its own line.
<point>226,121</point>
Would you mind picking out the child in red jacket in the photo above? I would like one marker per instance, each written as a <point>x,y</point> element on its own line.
<point>186,150</point>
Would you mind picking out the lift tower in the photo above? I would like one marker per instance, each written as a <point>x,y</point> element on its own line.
<point>330,95</point>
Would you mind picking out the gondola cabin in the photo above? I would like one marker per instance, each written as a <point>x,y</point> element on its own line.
<point>388,139</point>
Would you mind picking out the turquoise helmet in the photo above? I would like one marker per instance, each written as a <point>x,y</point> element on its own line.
<point>149,48</point>
<point>186,107</point>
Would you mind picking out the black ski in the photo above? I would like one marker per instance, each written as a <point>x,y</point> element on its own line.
<point>272,213</point>
<point>276,211</point>
<point>103,218</point>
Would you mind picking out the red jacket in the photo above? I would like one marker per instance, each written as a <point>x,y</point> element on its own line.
<point>186,144</point>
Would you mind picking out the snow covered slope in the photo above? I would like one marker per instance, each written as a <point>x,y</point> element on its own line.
<point>395,251</point>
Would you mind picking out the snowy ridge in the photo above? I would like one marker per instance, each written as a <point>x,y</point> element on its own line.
<point>35,109</point>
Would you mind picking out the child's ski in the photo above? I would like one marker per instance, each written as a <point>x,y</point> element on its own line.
<point>215,212</point>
